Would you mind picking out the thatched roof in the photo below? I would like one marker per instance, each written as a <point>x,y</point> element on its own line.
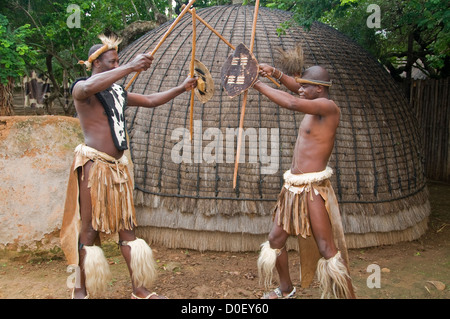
<point>379,178</point>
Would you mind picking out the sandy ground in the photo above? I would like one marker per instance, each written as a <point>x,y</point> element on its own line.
<point>412,270</point>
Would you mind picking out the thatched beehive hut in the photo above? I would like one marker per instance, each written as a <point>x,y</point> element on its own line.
<point>184,193</point>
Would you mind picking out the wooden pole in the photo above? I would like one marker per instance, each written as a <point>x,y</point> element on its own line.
<point>172,26</point>
<point>212,29</point>
<point>225,40</point>
<point>194,36</point>
<point>244,102</point>
<point>255,17</point>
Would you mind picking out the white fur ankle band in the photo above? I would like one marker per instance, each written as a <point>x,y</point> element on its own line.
<point>96,270</point>
<point>333,277</point>
<point>266,262</point>
<point>143,266</point>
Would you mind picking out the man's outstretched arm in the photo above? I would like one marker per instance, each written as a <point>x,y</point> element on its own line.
<point>157,99</point>
<point>319,106</point>
<point>101,81</point>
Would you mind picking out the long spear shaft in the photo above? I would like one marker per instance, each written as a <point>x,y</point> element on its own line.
<point>194,36</point>
<point>224,40</point>
<point>172,26</point>
<point>212,29</point>
<point>244,102</point>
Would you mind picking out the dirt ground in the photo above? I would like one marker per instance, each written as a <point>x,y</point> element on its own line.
<point>410,270</point>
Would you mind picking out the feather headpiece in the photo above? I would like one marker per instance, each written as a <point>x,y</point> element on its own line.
<point>109,43</point>
<point>291,61</point>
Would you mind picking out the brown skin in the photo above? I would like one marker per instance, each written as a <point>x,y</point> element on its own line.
<point>97,134</point>
<point>105,72</point>
<point>312,151</point>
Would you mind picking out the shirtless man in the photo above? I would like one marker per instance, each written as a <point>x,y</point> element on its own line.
<point>312,151</point>
<point>100,105</point>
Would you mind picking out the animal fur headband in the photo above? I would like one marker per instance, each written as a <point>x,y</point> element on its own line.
<point>109,43</point>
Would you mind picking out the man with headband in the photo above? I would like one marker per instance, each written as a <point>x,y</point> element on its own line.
<point>307,206</point>
<point>100,191</point>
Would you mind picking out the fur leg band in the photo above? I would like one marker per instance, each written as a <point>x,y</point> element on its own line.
<point>266,263</point>
<point>143,266</point>
<point>96,270</point>
<point>333,277</point>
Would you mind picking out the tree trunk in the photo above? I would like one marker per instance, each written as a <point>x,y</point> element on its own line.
<point>410,59</point>
<point>6,98</point>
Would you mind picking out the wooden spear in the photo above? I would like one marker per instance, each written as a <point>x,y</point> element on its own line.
<point>224,40</point>
<point>172,26</point>
<point>244,102</point>
<point>194,36</point>
<point>212,29</point>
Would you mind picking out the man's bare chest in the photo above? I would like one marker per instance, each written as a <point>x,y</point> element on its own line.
<point>310,125</point>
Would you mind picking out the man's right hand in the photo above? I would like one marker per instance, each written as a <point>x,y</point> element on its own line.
<point>265,70</point>
<point>142,62</point>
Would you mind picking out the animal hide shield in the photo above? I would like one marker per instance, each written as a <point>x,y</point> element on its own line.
<point>239,71</point>
<point>205,84</point>
<point>36,89</point>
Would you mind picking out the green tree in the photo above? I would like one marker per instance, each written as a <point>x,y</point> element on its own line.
<point>411,33</point>
<point>61,43</point>
<point>15,57</point>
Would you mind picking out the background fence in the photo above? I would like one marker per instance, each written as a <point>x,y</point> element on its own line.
<point>430,102</point>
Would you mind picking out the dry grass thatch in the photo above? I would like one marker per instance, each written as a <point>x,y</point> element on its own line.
<point>379,178</point>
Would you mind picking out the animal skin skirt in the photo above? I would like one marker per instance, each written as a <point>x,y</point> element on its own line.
<point>111,189</point>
